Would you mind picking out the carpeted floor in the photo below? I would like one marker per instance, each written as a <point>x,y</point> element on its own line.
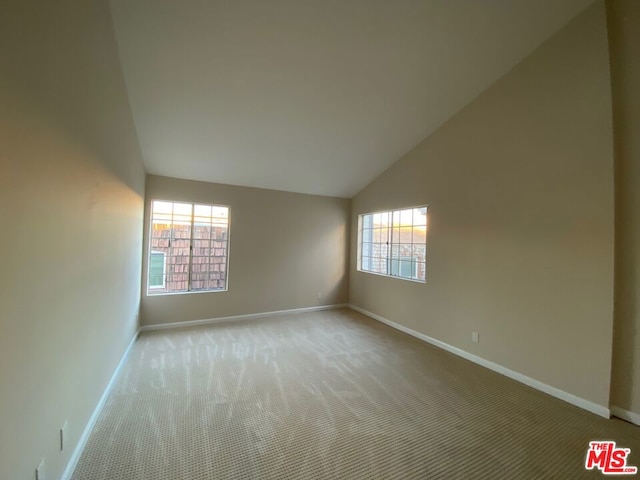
<point>329,395</point>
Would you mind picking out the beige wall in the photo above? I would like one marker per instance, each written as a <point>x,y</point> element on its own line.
<point>71,190</point>
<point>520,243</point>
<point>624,36</point>
<point>284,249</point>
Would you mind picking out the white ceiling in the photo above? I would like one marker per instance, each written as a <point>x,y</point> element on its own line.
<point>312,96</point>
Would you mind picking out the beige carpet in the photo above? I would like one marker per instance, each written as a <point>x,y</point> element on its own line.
<point>329,395</point>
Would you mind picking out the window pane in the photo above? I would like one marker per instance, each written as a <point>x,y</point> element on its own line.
<point>405,250</point>
<point>396,218</point>
<point>405,235</point>
<point>160,207</point>
<point>406,267</point>
<point>379,265</point>
<point>200,270</point>
<point>163,218</point>
<point>159,243</point>
<point>181,230</point>
<point>406,217</point>
<point>420,216</point>
<point>378,249</point>
<point>202,211</point>
<point>182,210</point>
<point>219,249</point>
<point>201,248</point>
<point>419,252</point>
<point>178,282</point>
<point>220,232</point>
<point>366,250</point>
<point>201,232</point>
<point>220,214</point>
<point>395,235</point>
<point>421,269</point>
<point>395,267</point>
<point>420,234</point>
<point>161,228</point>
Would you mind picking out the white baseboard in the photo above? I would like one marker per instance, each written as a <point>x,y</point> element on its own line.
<point>234,318</point>
<point>543,387</point>
<point>626,415</point>
<point>77,452</point>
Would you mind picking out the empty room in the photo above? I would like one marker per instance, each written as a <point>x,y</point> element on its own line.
<point>303,239</point>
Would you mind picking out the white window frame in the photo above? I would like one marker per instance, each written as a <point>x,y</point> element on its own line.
<point>153,291</point>
<point>388,258</point>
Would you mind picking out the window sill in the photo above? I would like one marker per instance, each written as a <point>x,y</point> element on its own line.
<point>164,294</point>
<point>412,280</point>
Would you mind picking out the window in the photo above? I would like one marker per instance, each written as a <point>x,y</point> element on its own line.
<point>188,248</point>
<point>394,243</point>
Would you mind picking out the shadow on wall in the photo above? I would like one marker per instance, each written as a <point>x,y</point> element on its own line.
<point>56,76</point>
<point>339,242</point>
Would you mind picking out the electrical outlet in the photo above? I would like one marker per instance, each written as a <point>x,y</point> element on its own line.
<point>475,337</point>
<point>63,434</point>
<point>319,296</point>
<point>40,470</point>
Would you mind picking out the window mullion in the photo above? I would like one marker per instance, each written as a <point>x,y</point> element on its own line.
<point>172,230</point>
<point>389,241</point>
<point>172,233</point>
<point>413,230</point>
<point>361,224</point>
<point>191,248</point>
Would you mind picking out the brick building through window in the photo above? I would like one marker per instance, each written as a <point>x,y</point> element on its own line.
<point>188,248</point>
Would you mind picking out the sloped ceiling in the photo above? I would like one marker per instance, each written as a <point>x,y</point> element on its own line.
<point>311,96</point>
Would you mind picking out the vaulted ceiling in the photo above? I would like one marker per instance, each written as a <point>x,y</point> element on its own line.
<point>311,96</point>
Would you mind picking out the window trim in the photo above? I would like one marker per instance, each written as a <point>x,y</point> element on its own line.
<point>148,291</point>
<point>389,258</point>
